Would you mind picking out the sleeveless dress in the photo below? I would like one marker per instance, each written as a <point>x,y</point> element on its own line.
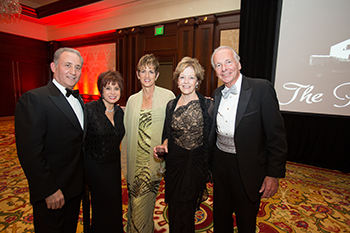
<point>144,190</point>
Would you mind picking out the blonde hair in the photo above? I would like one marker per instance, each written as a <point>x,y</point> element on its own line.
<point>189,62</point>
<point>148,60</point>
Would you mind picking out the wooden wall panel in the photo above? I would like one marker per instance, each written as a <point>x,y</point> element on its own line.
<point>194,37</point>
<point>164,47</point>
<point>224,22</point>
<point>24,65</point>
<point>22,48</point>
<point>186,37</point>
<point>204,49</point>
<point>121,66</point>
<point>168,42</point>
<point>31,76</point>
<point>133,58</point>
<point>8,96</point>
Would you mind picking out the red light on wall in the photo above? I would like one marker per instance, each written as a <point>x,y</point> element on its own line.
<point>97,59</point>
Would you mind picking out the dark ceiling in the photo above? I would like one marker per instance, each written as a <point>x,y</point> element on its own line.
<point>54,7</point>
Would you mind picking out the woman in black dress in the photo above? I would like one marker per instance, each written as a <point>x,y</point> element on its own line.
<point>185,139</point>
<point>102,154</point>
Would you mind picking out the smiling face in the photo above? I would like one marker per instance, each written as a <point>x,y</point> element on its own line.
<point>226,67</point>
<point>187,81</point>
<point>147,76</point>
<point>111,93</point>
<point>67,72</point>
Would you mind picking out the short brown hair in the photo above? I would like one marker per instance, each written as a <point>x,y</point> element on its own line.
<point>148,60</point>
<point>189,62</point>
<point>112,77</point>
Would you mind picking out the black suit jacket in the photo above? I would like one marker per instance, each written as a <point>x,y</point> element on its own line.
<point>260,138</point>
<point>49,143</point>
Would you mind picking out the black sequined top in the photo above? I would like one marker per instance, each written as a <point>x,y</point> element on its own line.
<point>102,143</point>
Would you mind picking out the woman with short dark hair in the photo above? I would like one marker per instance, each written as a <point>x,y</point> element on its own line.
<point>102,154</point>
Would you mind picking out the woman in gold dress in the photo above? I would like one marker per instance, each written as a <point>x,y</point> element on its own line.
<point>144,120</point>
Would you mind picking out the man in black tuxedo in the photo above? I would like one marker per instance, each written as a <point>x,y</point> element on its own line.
<point>248,141</point>
<point>49,126</point>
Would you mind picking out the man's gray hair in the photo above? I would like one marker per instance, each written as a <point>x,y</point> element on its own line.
<point>224,47</point>
<point>59,51</point>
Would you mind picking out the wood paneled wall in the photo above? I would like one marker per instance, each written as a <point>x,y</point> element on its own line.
<point>194,37</point>
<point>24,65</point>
<point>24,62</point>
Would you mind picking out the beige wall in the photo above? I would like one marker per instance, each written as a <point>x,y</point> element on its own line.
<point>229,38</point>
<point>134,14</point>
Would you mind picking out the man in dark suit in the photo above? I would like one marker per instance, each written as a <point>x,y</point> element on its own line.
<point>248,141</point>
<point>49,126</point>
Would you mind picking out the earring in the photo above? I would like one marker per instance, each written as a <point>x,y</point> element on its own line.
<point>102,96</point>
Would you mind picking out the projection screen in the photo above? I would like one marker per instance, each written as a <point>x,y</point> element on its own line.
<point>313,58</point>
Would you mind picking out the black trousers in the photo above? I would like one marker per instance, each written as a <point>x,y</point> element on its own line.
<point>181,216</point>
<point>230,196</point>
<point>62,220</point>
<point>104,180</point>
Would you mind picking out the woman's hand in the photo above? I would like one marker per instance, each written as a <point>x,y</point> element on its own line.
<point>161,150</point>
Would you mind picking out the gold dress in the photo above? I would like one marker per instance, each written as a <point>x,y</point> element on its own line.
<point>143,192</point>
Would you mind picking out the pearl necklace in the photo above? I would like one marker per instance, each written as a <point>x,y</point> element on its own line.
<point>110,111</point>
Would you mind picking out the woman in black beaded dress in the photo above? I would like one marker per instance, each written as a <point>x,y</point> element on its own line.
<point>102,154</point>
<point>185,139</point>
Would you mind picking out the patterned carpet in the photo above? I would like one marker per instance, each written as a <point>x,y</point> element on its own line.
<point>310,199</point>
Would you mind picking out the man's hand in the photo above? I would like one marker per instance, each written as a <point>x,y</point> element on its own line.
<point>269,187</point>
<point>55,201</point>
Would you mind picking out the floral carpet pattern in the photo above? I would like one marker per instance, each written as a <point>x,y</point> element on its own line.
<point>309,199</point>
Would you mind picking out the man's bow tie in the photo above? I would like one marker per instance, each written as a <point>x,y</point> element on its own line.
<point>75,93</point>
<point>226,91</point>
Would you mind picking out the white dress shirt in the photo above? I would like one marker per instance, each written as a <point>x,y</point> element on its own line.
<point>226,117</point>
<point>74,103</point>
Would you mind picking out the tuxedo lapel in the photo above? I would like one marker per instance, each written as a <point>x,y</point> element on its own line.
<point>246,92</point>
<point>217,99</point>
<point>63,105</point>
<point>81,101</point>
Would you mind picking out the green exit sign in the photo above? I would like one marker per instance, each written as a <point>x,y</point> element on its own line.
<point>159,30</point>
